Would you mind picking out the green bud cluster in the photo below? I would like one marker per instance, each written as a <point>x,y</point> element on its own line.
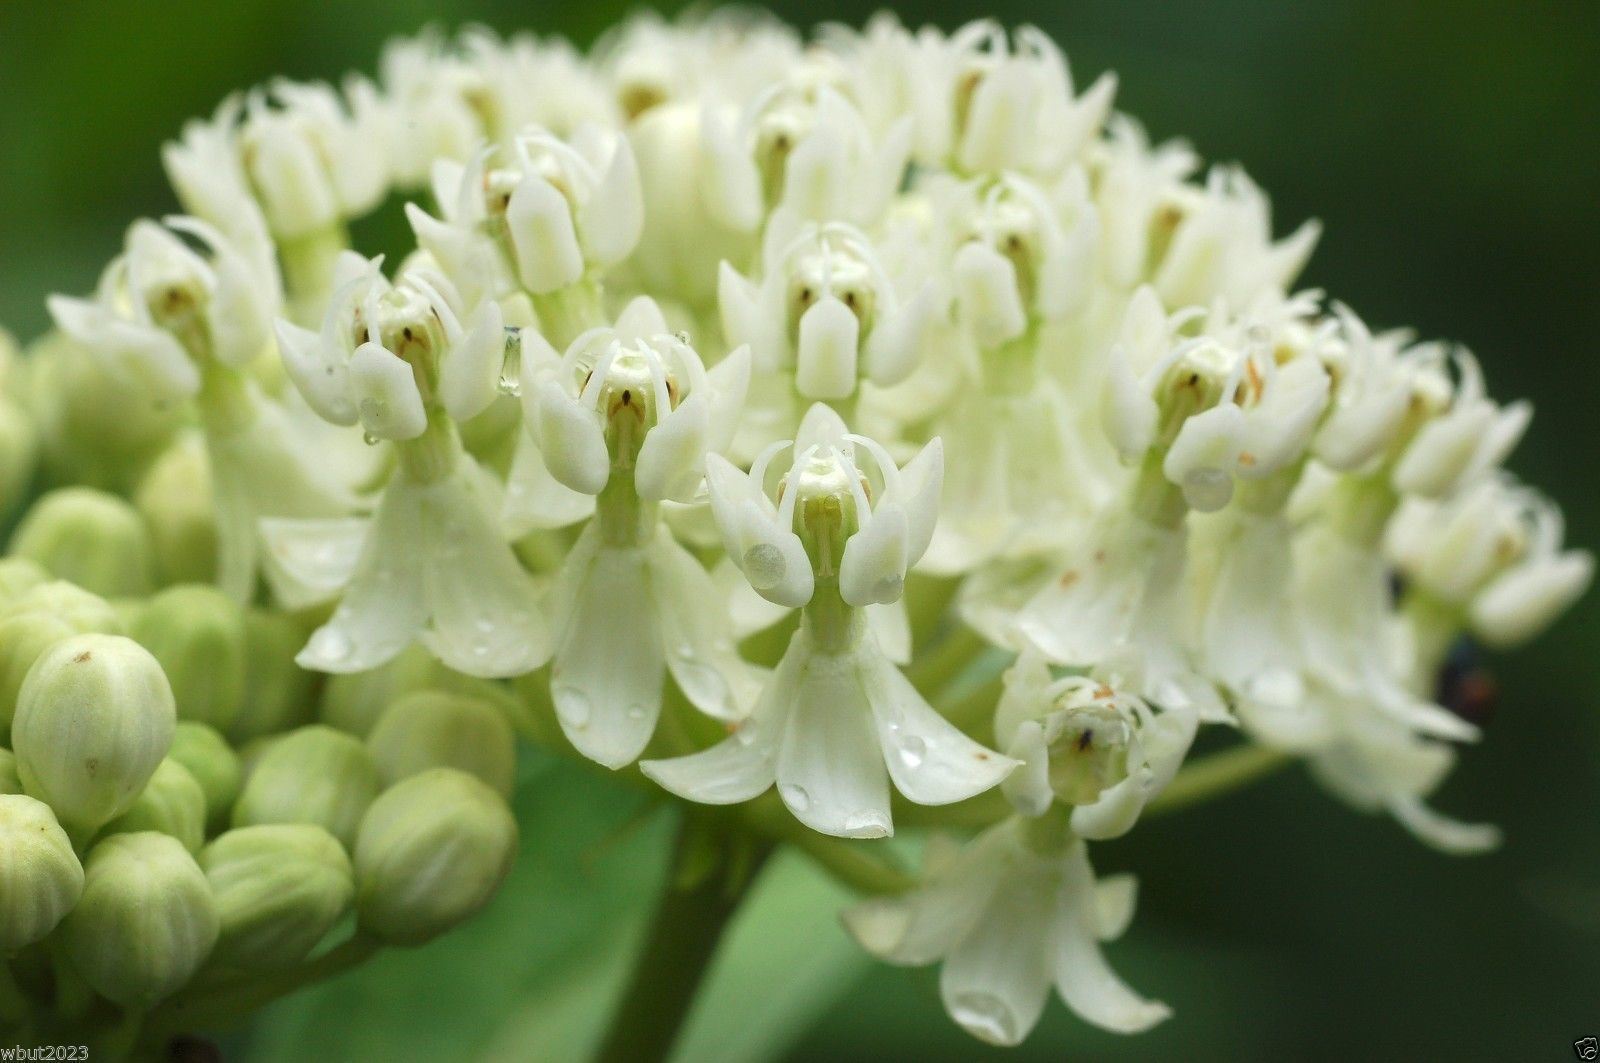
<point>184,811</point>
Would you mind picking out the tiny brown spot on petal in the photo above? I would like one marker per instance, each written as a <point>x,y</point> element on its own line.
<point>1247,459</point>
<point>1069,577</point>
<point>84,656</point>
<point>1102,691</point>
<point>1099,557</point>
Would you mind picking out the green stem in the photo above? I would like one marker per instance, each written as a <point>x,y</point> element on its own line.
<point>1218,774</point>
<point>853,862</point>
<point>13,1004</point>
<point>677,954</point>
<point>203,1006</point>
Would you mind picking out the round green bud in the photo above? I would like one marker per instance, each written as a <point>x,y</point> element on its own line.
<point>40,877</point>
<point>146,922</point>
<point>174,498</point>
<point>280,694</point>
<point>434,729</point>
<point>197,633</point>
<point>94,719</point>
<point>172,802</point>
<point>279,889</point>
<point>38,619</point>
<point>89,537</point>
<point>214,765</point>
<point>433,850</point>
<point>92,428</point>
<point>10,781</point>
<point>19,453</point>
<point>18,575</point>
<point>314,775</point>
<point>355,701</point>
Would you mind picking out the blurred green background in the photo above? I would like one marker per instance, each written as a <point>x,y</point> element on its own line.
<point>1453,151</point>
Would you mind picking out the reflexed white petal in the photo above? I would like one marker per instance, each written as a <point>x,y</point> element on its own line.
<point>385,607</point>
<point>728,381</point>
<point>918,490</point>
<point>572,440</point>
<point>546,245</point>
<point>898,340</point>
<point>1521,603</point>
<point>1115,897</point>
<point>1128,410</point>
<point>1028,787</point>
<point>1442,450</point>
<point>307,561</point>
<point>1443,833</point>
<point>698,636</point>
<point>1086,983</point>
<point>536,499</point>
<point>747,610</point>
<point>469,375</point>
<point>606,679</point>
<point>830,765</point>
<point>142,354</point>
<point>890,625</point>
<point>672,457</point>
<point>986,294</point>
<point>387,399</point>
<point>1205,455</point>
<point>930,760</point>
<point>739,302</point>
<point>486,619</point>
<point>826,352</point>
<point>996,980</point>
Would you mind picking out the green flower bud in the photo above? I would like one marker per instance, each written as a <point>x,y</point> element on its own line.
<point>94,719</point>
<point>92,428</point>
<point>40,877</point>
<point>172,802</point>
<point>89,537</point>
<point>433,729</point>
<point>18,575</point>
<point>214,765</point>
<point>279,889</point>
<point>146,921</point>
<point>197,633</point>
<point>38,619</point>
<point>19,452</point>
<point>280,695</point>
<point>10,781</point>
<point>354,702</point>
<point>314,775</point>
<point>174,498</point>
<point>433,850</point>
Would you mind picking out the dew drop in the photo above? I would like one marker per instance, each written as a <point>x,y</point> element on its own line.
<point>573,706</point>
<point>912,751</point>
<point>795,797</point>
<point>986,1017</point>
<point>869,824</point>
<point>369,439</point>
<point>331,644</point>
<point>637,712</point>
<point>510,382</point>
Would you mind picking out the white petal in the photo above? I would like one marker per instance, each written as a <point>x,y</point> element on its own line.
<point>1028,787</point>
<point>485,610</point>
<point>536,499</point>
<point>1205,455</point>
<point>698,635</point>
<point>641,319</point>
<point>307,561</point>
<point>542,236</point>
<point>733,184</point>
<point>995,982</point>
<point>1115,897</point>
<point>918,490</point>
<point>772,558</point>
<point>930,760</point>
<point>986,292</point>
<point>1442,832</point>
<point>873,569</point>
<point>1128,410</point>
<point>384,608</point>
<point>1521,603</point>
<point>1086,983</point>
<point>387,399</point>
<point>469,377</point>
<point>898,341</point>
<point>728,382</point>
<point>830,766</point>
<point>572,440</point>
<point>890,625</point>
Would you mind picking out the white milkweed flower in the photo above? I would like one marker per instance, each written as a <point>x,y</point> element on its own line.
<point>628,415</point>
<point>1017,911</point>
<point>836,720</point>
<point>1087,745</point>
<point>186,322</point>
<point>432,564</point>
<point>826,310</point>
<point>1489,559</point>
<point>539,214</point>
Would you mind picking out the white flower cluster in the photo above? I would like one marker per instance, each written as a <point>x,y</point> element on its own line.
<point>720,331</point>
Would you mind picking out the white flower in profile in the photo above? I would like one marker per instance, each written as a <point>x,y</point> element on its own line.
<point>180,321</point>
<point>539,214</point>
<point>1084,744</point>
<point>627,415</point>
<point>432,564</point>
<point>837,720</point>
<point>1017,911</point>
<point>825,310</point>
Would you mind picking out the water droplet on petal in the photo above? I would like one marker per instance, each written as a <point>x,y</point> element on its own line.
<point>637,712</point>
<point>369,439</point>
<point>868,824</point>
<point>986,1017</point>
<point>912,751</point>
<point>331,644</point>
<point>572,706</point>
<point>795,797</point>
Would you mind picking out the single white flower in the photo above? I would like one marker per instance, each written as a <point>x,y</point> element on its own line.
<point>836,721</point>
<point>1016,912</point>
